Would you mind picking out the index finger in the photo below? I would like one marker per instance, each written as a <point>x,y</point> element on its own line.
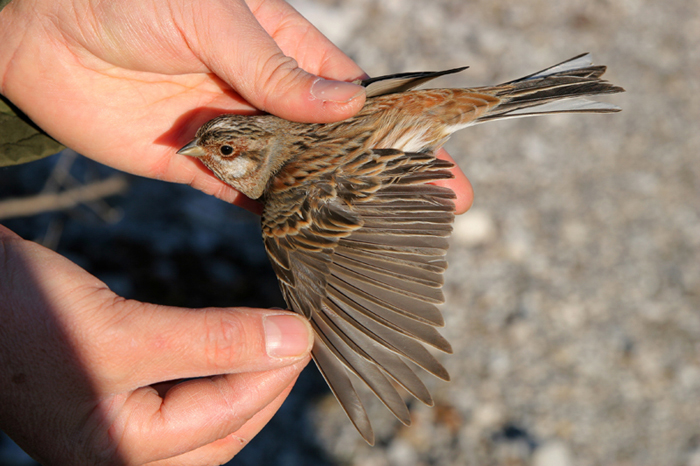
<point>459,184</point>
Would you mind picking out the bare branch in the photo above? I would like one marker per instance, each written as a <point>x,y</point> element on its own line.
<point>24,207</point>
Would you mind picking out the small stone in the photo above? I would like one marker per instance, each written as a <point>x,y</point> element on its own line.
<point>694,458</point>
<point>552,453</point>
<point>576,232</point>
<point>488,416</point>
<point>474,228</point>
<point>402,452</point>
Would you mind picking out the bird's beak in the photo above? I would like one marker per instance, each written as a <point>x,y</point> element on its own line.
<point>192,149</point>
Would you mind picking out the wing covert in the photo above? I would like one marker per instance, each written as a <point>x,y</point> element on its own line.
<point>362,257</point>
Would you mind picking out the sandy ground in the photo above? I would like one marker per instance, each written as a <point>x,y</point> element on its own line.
<point>573,294</point>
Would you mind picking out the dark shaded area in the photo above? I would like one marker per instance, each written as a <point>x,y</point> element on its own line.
<point>289,439</point>
<point>514,433</point>
<point>11,454</point>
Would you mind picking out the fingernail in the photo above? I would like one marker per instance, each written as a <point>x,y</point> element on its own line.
<point>286,336</point>
<point>335,91</point>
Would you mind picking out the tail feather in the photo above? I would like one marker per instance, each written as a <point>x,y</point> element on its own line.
<point>575,64</point>
<point>557,89</point>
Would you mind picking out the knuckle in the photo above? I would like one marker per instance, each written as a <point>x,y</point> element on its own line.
<point>225,339</point>
<point>280,75</point>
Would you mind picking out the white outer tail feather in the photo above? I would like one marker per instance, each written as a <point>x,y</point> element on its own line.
<point>575,63</point>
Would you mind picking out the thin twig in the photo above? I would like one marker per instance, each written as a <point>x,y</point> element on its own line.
<point>24,207</point>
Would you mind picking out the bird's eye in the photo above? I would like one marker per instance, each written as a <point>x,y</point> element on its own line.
<point>226,150</point>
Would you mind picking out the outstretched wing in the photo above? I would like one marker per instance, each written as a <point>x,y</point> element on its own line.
<point>362,256</point>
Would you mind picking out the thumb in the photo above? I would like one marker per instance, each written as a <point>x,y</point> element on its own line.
<point>160,343</point>
<point>257,68</point>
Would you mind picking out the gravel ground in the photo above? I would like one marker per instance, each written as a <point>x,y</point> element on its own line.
<point>573,294</point>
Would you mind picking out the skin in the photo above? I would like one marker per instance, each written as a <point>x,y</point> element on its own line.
<point>87,375</point>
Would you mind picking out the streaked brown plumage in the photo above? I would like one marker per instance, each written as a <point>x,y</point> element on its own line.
<point>355,231</point>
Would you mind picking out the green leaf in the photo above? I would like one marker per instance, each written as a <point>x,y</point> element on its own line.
<point>22,141</point>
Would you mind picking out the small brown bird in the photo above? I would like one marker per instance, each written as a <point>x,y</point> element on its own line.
<point>355,231</point>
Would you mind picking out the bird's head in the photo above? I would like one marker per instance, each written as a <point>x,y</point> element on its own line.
<point>238,149</point>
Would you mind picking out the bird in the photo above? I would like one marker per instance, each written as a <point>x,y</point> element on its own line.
<point>355,230</point>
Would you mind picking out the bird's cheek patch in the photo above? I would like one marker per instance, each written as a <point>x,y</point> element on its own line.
<point>237,167</point>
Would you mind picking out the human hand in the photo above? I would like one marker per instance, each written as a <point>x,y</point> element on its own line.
<point>83,369</point>
<point>127,83</point>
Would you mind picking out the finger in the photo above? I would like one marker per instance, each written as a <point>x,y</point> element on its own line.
<point>253,427</point>
<point>222,450</point>
<point>261,72</point>
<point>196,413</point>
<point>160,343</point>
<point>315,53</point>
<point>459,184</point>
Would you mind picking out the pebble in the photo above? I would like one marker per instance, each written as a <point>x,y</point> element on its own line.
<point>552,453</point>
<point>474,228</point>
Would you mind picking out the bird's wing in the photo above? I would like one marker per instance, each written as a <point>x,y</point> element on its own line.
<point>402,82</point>
<point>362,255</point>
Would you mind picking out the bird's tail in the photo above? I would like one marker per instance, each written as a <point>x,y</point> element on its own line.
<point>558,89</point>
